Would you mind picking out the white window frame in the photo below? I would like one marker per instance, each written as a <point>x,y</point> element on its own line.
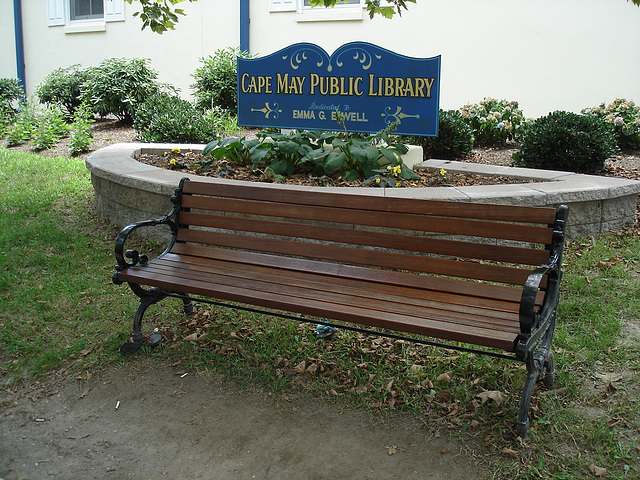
<point>340,12</point>
<point>282,5</point>
<point>59,11</point>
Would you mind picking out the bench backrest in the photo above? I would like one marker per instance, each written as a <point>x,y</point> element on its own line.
<point>492,243</point>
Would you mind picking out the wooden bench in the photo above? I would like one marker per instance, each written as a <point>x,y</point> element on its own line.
<point>450,272</point>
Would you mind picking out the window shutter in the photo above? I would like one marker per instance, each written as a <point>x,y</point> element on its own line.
<point>55,12</point>
<point>114,10</point>
<point>282,5</point>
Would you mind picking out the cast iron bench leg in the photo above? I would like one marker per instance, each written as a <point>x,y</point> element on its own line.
<point>147,298</point>
<point>541,359</point>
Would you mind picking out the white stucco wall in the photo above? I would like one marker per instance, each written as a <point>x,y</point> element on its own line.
<point>545,54</point>
<point>7,41</point>
<point>175,54</point>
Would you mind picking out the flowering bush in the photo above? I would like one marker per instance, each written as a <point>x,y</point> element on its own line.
<point>624,116</point>
<point>495,121</point>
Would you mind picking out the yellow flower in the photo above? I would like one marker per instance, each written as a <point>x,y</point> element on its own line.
<point>398,184</point>
<point>443,172</point>
<point>172,161</point>
<point>176,150</point>
<point>397,169</point>
<point>377,180</point>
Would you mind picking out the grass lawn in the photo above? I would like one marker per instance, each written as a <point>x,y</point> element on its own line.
<point>59,309</point>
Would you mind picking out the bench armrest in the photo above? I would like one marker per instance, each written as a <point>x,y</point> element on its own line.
<point>170,219</point>
<point>536,321</point>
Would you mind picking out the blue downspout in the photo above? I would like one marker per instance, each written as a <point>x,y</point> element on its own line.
<point>244,26</point>
<point>17,20</point>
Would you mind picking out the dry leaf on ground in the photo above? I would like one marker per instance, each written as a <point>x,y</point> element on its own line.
<point>598,471</point>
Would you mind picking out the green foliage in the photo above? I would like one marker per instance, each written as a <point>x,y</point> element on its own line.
<point>63,87</point>
<point>624,117</point>
<point>158,15</point>
<point>44,125</point>
<point>25,125</point>
<point>222,121</point>
<point>567,141</point>
<point>167,118</point>
<point>117,85</point>
<point>81,135</point>
<point>51,127</point>
<point>495,121</point>
<point>10,94</point>
<point>352,157</point>
<point>216,82</point>
<point>454,141</point>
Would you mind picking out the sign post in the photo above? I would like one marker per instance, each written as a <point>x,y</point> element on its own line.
<point>361,87</point>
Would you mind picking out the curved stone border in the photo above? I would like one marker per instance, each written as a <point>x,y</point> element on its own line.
<point>127,191</point>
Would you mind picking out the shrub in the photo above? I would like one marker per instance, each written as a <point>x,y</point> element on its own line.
<point>117,85</point>
<point>567,141</point>
<point>10,94</point>
<point>224,122</point>
<point>624,116</point>
<point>51,127</point>
<point>81,135</point>
<point>63,87</point>
<point>25,125</point>
<point>167,118</point>
<point>216,83</point>
<point>454,140</point>
<point>495,121</point>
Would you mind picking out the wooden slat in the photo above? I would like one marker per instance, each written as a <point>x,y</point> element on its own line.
<point>408,221</point>
<point>312,290</point>
<point>440,266</point>
<point>434,327</point>
<point>384,277</point>
<point>509,213</point>
<point>391,294</point>
<point>498,253</point>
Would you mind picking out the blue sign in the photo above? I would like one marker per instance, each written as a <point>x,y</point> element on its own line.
<point>360,88</point>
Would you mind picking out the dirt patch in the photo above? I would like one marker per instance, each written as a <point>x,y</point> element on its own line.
<point>141,419</point>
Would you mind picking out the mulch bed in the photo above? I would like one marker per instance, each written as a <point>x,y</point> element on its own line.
<point>192,163</point>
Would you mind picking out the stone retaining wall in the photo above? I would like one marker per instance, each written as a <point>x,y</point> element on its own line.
<point>127,191</point>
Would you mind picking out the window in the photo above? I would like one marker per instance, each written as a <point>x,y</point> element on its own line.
<point>349,10</point>
<point>84,15</point>
<point>86,9</point>
<point>282,5</point>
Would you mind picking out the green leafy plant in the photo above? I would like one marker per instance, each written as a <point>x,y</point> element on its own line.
<point>51,127</point>
<point>117,85</point>
<point>216,83</point>
<point>163,117</point>
<point>351,157</point>
<point>81,135</point>
<point>224,122</point>
<point>495,121</point>
<point>624,116</point>
<point>567,141</point>
<point>25,124</point>
<point>10,95</point>
<point>63,87</point>
<point>159,15</point>
<point>455,138</point>
<point>238,150</point>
